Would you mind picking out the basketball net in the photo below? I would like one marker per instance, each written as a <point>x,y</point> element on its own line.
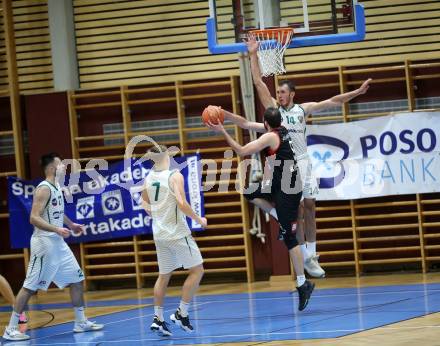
<point>273,44</point>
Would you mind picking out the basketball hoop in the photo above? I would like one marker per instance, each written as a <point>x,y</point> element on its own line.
<point>273,44</point>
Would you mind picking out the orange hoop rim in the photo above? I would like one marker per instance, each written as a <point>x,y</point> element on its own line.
<point>274,33</point>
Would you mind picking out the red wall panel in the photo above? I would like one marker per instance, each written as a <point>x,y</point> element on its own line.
<point>47,118</point>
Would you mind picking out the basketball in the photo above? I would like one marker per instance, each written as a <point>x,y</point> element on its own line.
<point>213,114</point>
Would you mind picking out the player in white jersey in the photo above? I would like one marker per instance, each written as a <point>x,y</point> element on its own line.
<point>294,119</point>
<point>165,201</point>
<point>51,259</point>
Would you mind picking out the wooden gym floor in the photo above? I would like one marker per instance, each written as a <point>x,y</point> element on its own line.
<point>385,310</point>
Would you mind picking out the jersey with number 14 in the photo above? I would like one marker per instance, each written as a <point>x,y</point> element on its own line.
<point>294,120</point>
<point>169,222</point>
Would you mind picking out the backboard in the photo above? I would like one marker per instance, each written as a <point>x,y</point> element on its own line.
<point>315,22</point>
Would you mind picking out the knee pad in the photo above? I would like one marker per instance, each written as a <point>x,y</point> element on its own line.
<point>289,236</point>
<point>290,241</point>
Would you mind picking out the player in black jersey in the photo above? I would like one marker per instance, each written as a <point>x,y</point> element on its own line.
<point>281,189</point>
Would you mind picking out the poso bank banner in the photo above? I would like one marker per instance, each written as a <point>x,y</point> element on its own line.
<point>392,155</point>
<point>108,202</point>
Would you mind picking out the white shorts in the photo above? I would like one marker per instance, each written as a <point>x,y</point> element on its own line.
<point>173,254</point>
<point>51,260</point>
<point>308,178</point>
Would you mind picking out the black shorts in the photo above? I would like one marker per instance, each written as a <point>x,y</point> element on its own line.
<point>287,206</point>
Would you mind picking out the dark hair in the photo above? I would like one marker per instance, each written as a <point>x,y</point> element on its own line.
<point>289,83</point>
<point>273,117</point>
<point>47,159</point>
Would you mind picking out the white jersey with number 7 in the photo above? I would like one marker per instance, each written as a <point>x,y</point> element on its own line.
<point>169,222</point>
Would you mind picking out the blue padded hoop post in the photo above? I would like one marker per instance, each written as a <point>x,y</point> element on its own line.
<point>305,41</point>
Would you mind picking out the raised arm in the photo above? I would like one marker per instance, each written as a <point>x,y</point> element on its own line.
<point>244,123</point>
<point>263,91</point>
<point>41,198</point>
<point>314,107</point>
<point>178,185</point>
<point>266,140</point>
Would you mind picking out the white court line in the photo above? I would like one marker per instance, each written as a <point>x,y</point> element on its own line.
<point>257,299</point>
<point>315,296</point>
<point>113,322</point>
<point>324,295</point>
<point>247,335</point>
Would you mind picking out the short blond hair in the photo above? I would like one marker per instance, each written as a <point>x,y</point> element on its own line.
<point>158,149</point>
<point>157,153</point>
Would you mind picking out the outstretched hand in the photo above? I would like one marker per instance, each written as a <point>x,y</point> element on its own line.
<point>364,87</point>
<point>252,44</point>
<point>216,127</point>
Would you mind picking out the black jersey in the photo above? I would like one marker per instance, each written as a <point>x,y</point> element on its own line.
<point>283,155</point>
<point>281,190</point>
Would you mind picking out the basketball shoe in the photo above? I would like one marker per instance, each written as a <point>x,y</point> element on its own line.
<point>182,322</point>
<point>160,326</point>
<point>304,293</point>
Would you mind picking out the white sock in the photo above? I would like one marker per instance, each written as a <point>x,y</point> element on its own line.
<point>158,311</point>
<point>79,314</point>
<point>13,322</point>
<point>311,248</point>
<point>305,251</point>
<point>273,213</point>
<point>300,279</point>
<point>183,308</point>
